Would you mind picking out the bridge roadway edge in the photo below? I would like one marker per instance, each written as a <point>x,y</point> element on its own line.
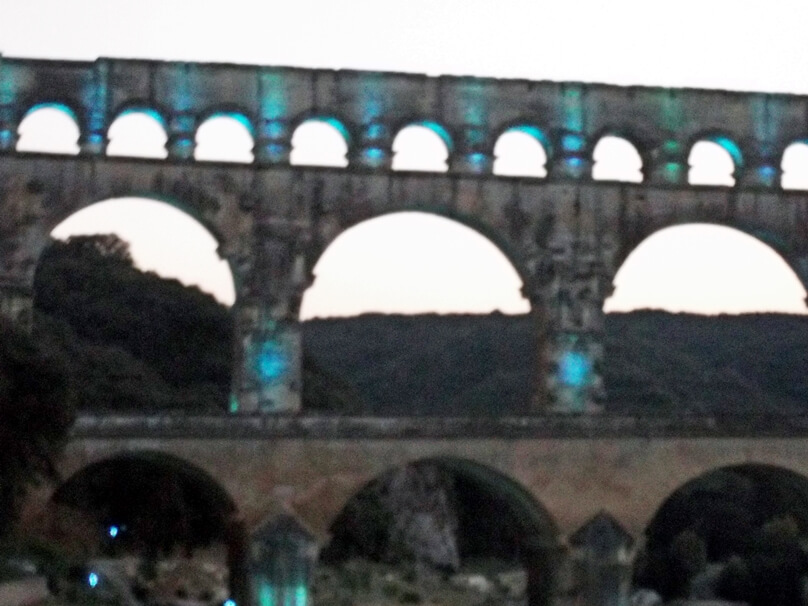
<point>573,466</point>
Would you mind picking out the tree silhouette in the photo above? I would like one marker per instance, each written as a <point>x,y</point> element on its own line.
<point>36,410</point>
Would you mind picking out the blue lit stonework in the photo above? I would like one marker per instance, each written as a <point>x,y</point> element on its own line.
<point>575,369</point>
<point>271,362</point>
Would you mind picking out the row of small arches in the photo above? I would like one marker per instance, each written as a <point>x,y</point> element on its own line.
<point>518,152</point>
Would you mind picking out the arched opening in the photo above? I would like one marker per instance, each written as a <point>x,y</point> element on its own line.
<point>225,138</point>
<point>706,269</point>
<point>714,162</point>
<point>441,527</point>
<point>690,325</point>
<point>520,152</point>
<point>424,147</point>
<point>616,160</point>
<point>50,128</point>
<point>419,291</point>
<point>795,166</point>
<point>119,292</point>
<point>162,524</point>
<point>138,134</point>
<point>735,533</point>
<point>320,142</point>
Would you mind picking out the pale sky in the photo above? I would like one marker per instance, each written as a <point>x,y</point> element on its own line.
<point>741,45</point>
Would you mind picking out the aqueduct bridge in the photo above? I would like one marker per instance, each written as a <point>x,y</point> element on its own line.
<point>566,234</point>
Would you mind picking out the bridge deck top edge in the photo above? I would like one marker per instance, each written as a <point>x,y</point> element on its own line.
<point>214,65</point>
<point>550,426</point>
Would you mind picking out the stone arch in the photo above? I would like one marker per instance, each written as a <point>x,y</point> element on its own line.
<point>427,133</point>
<point>65,116</point>
<point>724,513</point>
<point>323,130</point>
<point>716,142</point>
<point>148,118</point>
<point>151,503</point>
<point>629,165</point>
<point>794,166</point>
<point>217,224</point>
<point>236,126</point>
<point>534,141</point>
<point>515,515</point>
<point>777,243</point>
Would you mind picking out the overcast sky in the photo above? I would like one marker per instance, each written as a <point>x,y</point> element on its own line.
<point>741,45</point>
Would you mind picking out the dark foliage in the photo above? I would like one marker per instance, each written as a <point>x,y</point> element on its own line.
<point>134,341</point>
<point>429,364</point>
<point>36,409</point>
<point>657,362</point>
<point>749,517</point>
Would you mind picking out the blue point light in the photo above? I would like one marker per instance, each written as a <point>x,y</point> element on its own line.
<point>229,602</point>
<point>113,531</point>
<point>92,579</point>
<point>575,369</point>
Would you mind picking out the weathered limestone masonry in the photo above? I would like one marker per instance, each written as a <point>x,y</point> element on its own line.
<point>565,234</point>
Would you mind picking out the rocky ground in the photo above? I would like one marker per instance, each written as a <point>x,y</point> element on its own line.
<point>360,582</point>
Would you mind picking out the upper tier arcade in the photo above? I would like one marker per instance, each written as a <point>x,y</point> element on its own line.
<point>369,108</point>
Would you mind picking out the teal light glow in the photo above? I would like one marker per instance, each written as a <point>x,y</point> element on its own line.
<point>575,369</point>
<point>57,106</point>
<point>273,96</point>
<point>146,111</point>
<point>229,602</point>
<point>301,595</point>
<point>373,156</point>
<point>478,159</point>
<point>266,595</point>
<point>275,129</point>
<point>375,131</point>
<point>534,132</point>
<point>574,162</point>
<point>673,170</point>
<point>573,111</point>
<point>238,117</point>
<point>271,362</point>
<point>92,579</point>
<point>672,114</point>
<point>336,125</point>
<point>438,130</point>
<point>732,149</point>
<point>113,531</point>
<point>232,406</point>
<point>671,147</point>
<point>371,108</point>
<point>572,142</point>
<point>8,85</point>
